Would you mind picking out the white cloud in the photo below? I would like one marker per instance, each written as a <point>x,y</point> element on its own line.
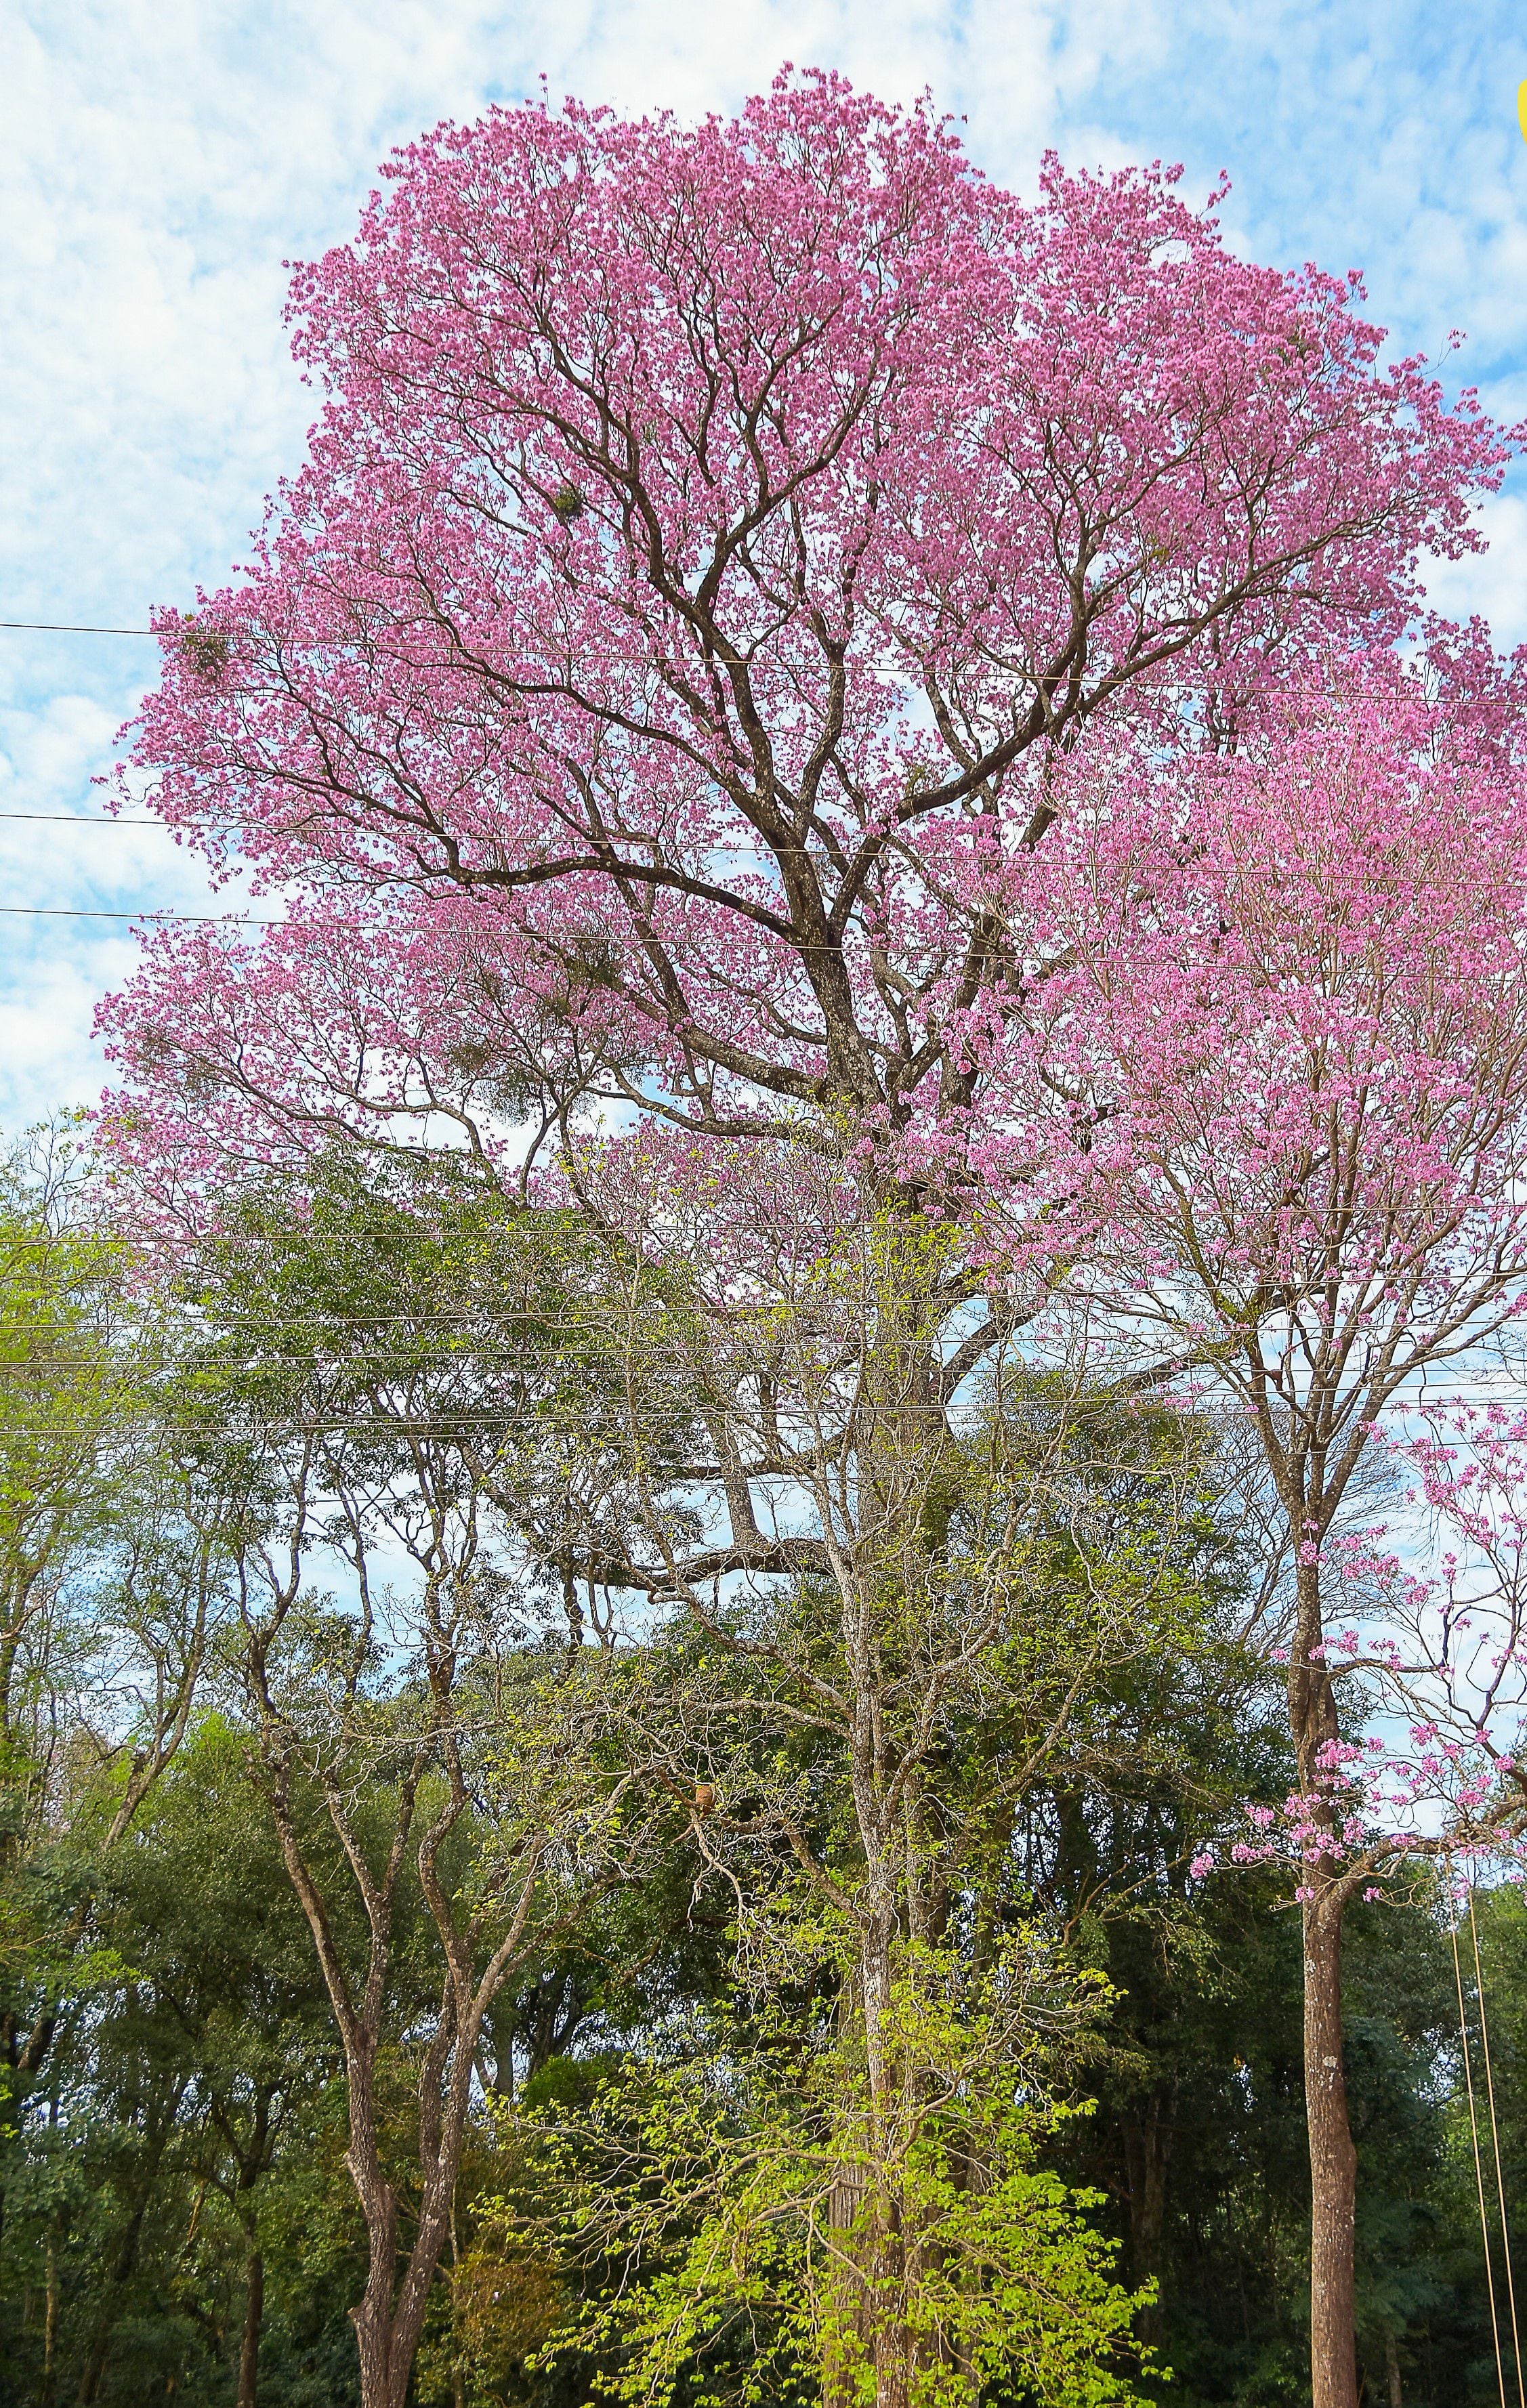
<point>1494,584</point>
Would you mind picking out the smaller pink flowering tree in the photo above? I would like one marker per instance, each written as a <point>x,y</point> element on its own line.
<point>1448,1648</point>
<point>1431,1675</point>
<point>1431,1672</point>
<point>1267,1122</point>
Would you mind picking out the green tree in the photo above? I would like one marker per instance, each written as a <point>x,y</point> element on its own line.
<point>191,2059</point>
<point>108,1598</point>
<point>416,1730</point>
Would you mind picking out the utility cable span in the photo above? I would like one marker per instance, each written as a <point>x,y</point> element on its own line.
<point>1478,2160</point>
<point>198,918</point>
<point>1495,2137</point>
<point>53,628</point>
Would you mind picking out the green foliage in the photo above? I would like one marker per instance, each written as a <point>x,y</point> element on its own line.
<point>415,1317</point>
<point>741,2230</point>
<point>1063,2155</point>
<point>182,2116</point>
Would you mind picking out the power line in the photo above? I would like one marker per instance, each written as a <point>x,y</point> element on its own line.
<point>137,818</point>
<point>53,628</point>
<point>794,950</point>
<point>199,919</point>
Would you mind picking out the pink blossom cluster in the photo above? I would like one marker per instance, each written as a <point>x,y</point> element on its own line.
<point>1275,1006</point>
<point>712,542</point>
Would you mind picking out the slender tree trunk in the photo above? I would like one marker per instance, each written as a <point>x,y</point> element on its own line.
<point>391,2315</point>
<point>123,2266</point>
<point>1333,2160</point>
<point>387,2343</point>
<point>375,2337</point>
<point>373,2343</point>
<point>249,2352</point>
<point>1313,1726</point>
<point>50,2327</point>
<point>1147,2150</point>
<point>888,2338</point>
<point>840,2387</point>
<point>1391,2369</point>
<point>894,2345</point>
<point>905,1438</point>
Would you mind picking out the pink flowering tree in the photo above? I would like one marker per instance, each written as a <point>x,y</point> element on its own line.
<point>706,536</point>
<point>1437,1653</point>
<point>1431,1659</point>
<point>713,545</point>
<point>1273,1066</point>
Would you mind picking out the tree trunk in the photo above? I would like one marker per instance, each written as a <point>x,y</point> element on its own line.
<point>849,2338</point>
<point>1148,2148</point>
<point>887,2336</point>
<point>123,2266</point>
<point>1333,2164</point>
<point>390,2318</point>
<point>376,2334</point>
<point>373,2343</point>
<point>895,2347</point>
<point>840,2387</point>
<point>50,2327</point>
<point>1391,2369</point>
<point>1315,1729</point>
<point>249,2352</point>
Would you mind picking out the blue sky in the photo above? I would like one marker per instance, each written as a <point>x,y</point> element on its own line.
<point>159,159</point>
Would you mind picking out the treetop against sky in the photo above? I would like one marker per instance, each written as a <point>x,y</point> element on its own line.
<point>151,404</point>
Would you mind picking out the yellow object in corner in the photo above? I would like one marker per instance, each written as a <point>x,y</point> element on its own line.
<point>1522,109</point>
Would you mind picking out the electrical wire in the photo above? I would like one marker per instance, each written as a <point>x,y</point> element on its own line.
<point>672,945</point>
<point>122,819</point>
<point>438,1325</point>
<point>1479,2161</point>
<point>1495,2137</point>
<point>54,627</point>
<point>147,912</point>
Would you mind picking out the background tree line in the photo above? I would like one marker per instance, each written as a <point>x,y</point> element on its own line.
<point>433,1921</point>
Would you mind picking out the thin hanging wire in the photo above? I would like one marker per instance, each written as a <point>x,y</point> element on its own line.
<point>1495,2137</point>
<point>1479,2161</point>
